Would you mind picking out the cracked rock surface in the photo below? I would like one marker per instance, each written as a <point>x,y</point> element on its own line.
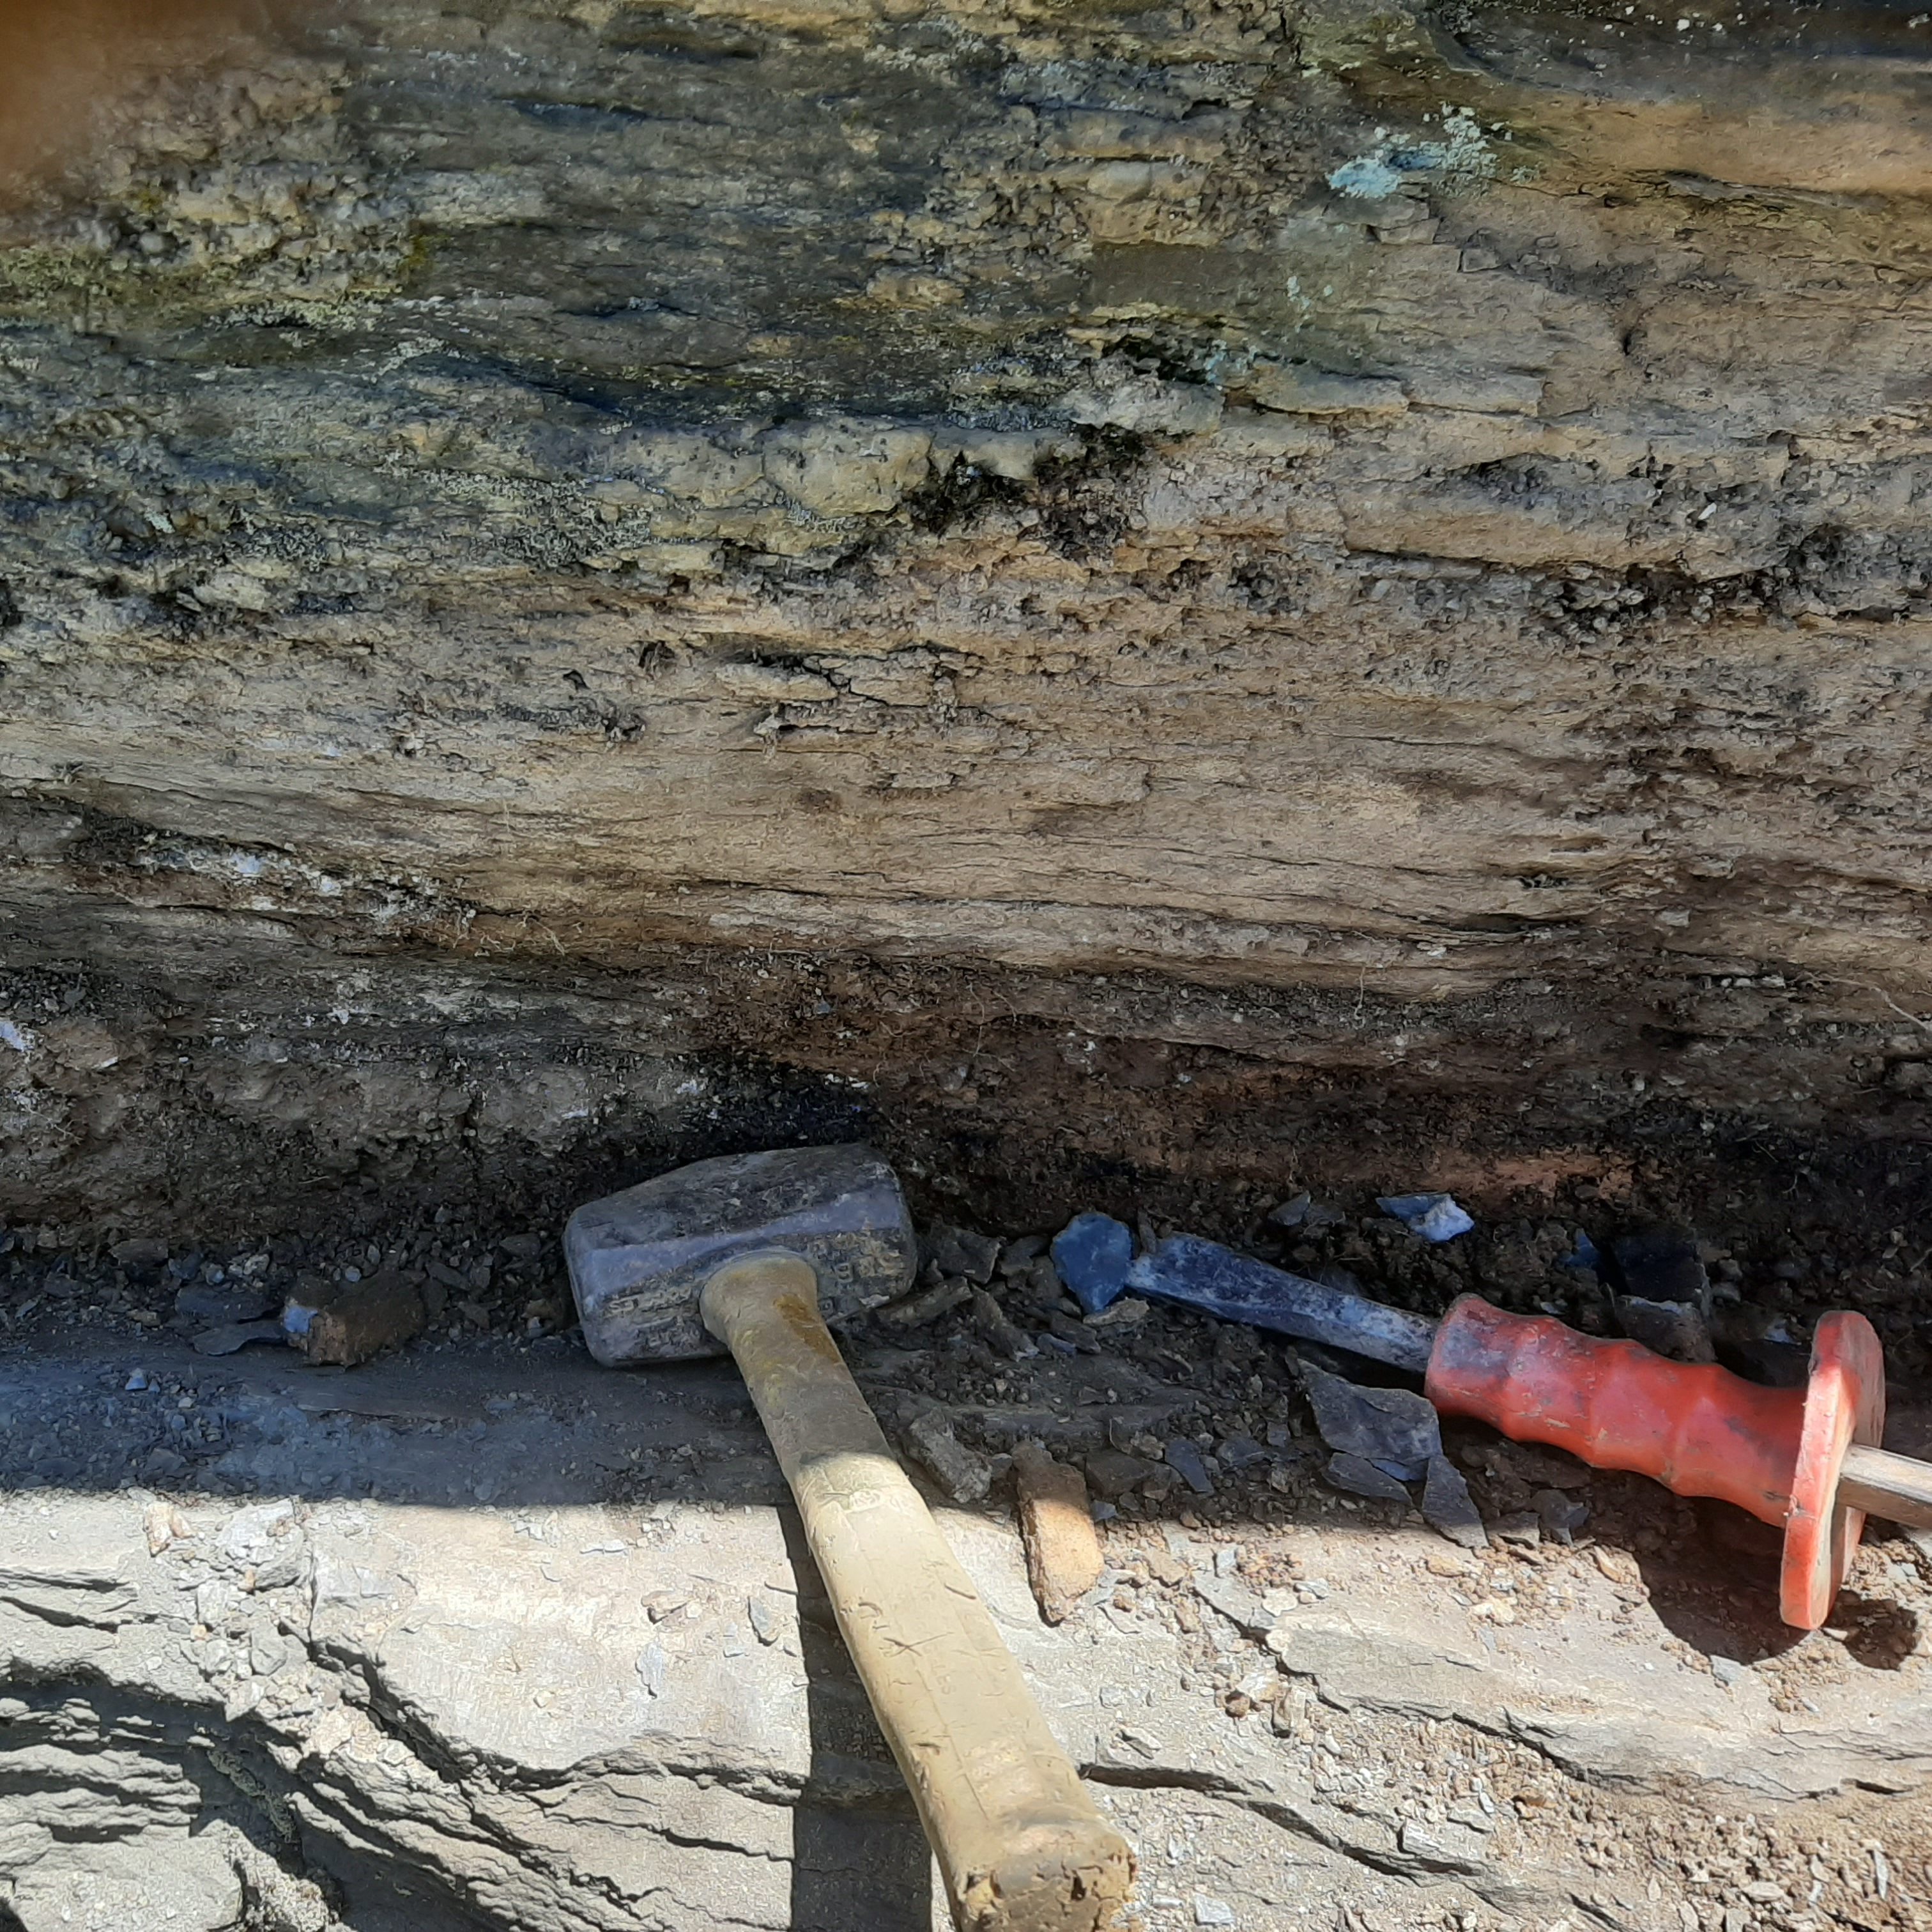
<point>327,1688</point>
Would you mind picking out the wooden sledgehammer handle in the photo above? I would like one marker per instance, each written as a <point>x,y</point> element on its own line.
<point>1898,1488</point>
<point>1021,1847</point>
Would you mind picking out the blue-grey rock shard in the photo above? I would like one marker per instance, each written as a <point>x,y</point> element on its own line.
<point>1184,1459</point>
<point>1396,1429</point>
<point>1364,1479</point>
<point>1448,1507</point>
<point>1203,1274</point>
<point>1434,1217</point>
<point>1092,1253</point>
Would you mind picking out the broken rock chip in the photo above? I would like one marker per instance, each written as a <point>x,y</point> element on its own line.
<point>1063,1553</point>
<point>1363,1478</point>
<point>1092,1254</point>
<point>964,1473</point>
<point>359,1322</point>
<point>225,1338</point>
<point>1446,1846</point>
<point>1112,1473</point>
<point>928,1303</point>
<point>1236,1602</point>
<point>1184,1459</point>
<point>1435,1217</point>
<point>1675,1329</point>
<point>1561,1516</point>
<point>234,1303</point>
<point>1397,1429</point>
<point>990,1318</point>
<point>1448,1507</point>
<point>960,1251</point>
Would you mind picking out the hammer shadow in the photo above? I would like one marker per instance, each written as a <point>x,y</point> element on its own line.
<point>859,1861</point>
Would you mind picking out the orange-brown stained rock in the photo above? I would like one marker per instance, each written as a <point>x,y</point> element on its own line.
<point>374,1315</point>
<point>68,68</point>
<point>1063,1560</point>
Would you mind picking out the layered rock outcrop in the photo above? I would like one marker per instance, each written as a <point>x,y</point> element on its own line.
<point>580,576</point>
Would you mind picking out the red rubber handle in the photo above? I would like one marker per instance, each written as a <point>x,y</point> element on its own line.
<point>1699,1429</point>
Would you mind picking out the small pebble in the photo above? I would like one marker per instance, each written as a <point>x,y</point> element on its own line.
<point>652,1663</point>
<point>1561,1516</point>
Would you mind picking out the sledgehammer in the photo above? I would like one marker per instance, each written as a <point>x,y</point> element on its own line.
<point>751,1254</point>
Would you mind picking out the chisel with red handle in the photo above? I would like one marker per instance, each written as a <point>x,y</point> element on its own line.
<point>1808,1460</point>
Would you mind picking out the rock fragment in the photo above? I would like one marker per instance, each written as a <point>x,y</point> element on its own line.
<point>234,1302</point>
<point>962,1251</point>
<point>1292,1212</point>
<point>1620,1566</point>
<point>1666,1299</point>
<point>1675,1329</point>
<point>1434,1217</point>
<point>1446,1846</point>
<point>1662,1265</point>
<point>228,1336</point>
<point>1561,1516</point>
<point>163,1524</point>
<point>1361,1477</point>
<point>653,1662</point>
<point>1184,1459</point>
<point>762,1616</point>
<point>990,1318</point>
<point>1448,1507</point>
<point>964,1473</point>
<point>1092,1254</point>
<point>928,1303</point>
<point>360,1321</point>
<point>1236,1602</point>
<point>1063,1560</point>
<point>1112,1473</point>
<point>1397,1429</point>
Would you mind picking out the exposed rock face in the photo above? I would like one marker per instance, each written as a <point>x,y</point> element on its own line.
<point>1403,534</point>
<point>312,1709</point>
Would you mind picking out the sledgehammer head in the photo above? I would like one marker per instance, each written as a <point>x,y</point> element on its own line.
<point>639,1260</point>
